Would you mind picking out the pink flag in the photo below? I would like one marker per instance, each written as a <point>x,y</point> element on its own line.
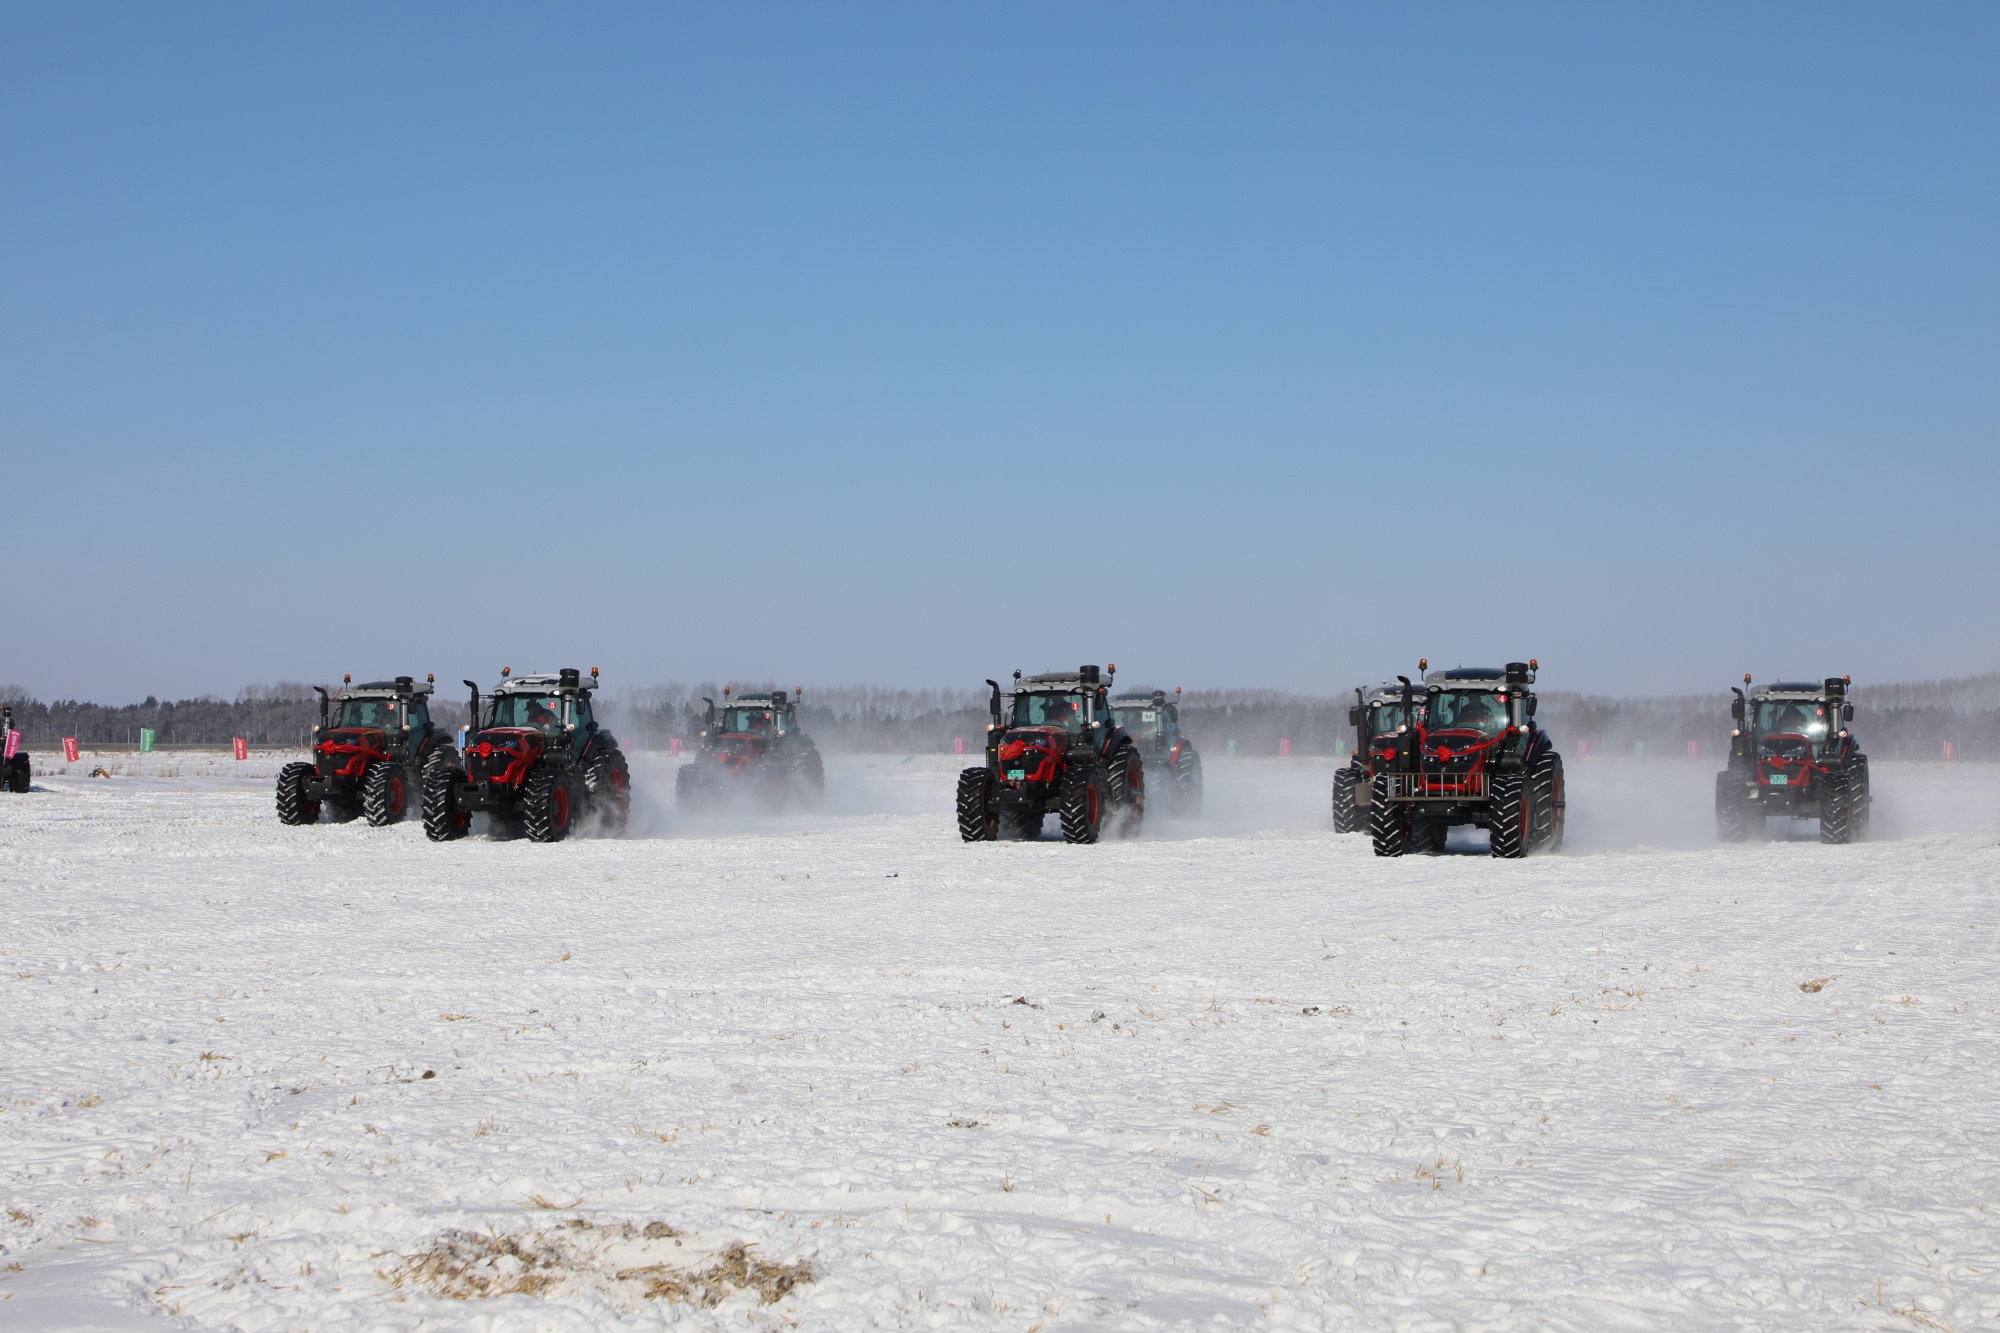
<point>1285,746</point>
<point>1694,749</point>
<point>958,745</point>
<point>674,745</point>
<point>14,742</point>
<point>242,748</point>
<point>69,750</point>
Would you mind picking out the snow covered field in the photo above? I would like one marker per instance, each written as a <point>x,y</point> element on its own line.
<point>842,1071</point>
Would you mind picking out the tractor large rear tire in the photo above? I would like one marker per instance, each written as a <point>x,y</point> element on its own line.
<point>1347,816</point>
<point>1186,781</point>
<point>1082,803</point>
<point>1550,803</point>
<point>443,820</point>
<point>19,779</point>
<point>608,780</point>
<point>689,791</point>
<point>978,821</point>
<point>1127,783</point>
<point>1836,810</point>
<point>1860,798</point>
<point>1388,821</point>
<point>548,807</point>
<point>1512,815</point>
<point>807,779</point>
<point>385,793</point>
<point>1732,812</point>
<point>293,805</point>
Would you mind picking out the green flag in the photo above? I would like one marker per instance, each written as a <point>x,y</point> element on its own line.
<point>145,740</point>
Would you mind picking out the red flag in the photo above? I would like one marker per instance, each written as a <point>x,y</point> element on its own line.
<point>674,745</point>
<point>13,742</point>
<point>958,744</point>
<point>1284,746</point>
<point>69,750</point>
<point>242,748</point>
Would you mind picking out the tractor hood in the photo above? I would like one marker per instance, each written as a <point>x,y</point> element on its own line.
<point>1032,754</point>
<point>502,754</point>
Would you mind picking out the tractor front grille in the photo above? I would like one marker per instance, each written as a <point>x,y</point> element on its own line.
<point>1436,786</point>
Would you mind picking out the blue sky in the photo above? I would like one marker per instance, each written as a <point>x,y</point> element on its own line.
<point>1240,345</point>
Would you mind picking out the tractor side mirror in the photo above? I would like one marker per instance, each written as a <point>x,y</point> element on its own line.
<point>1736,709</point>
<point>1847,712</point>
<point>1532,701</point>
<point>1354,716</point>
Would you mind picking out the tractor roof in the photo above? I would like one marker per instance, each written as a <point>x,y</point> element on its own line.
<point>1052,682</point>
<point>1474,678</point>
<point>766,700</point>
<point>1796,689</point>
<point>371,689</point>
<point>545,682</point>
<point>1140,696</point>
<point>1388,692</point>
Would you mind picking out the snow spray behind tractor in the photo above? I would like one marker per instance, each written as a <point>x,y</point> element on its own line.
<point>752,750</point>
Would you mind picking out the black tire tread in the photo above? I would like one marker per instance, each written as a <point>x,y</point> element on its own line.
<point>1388,821</point>
<point>293,807</point>
<point>977,821</point>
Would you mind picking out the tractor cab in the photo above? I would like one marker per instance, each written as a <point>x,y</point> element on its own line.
<point>773,716</point>
<point>1379,715</point>
<point>387,720</point>
<point>1153,719</point>
<point>555,709</point>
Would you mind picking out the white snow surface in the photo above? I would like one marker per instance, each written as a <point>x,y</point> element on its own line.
<point>1237,1073</point>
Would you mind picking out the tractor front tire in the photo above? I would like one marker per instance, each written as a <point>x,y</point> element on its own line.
<point>978,821</point>
<point>19,778</point>
<point>1550,803</point>
<point>1860,799</point>
<point>1511,815</point>
<point>1836,811</point>
<point>294,807</point>
<point>385,793</point>
<point>1732,812</point>
<point>1388,821</point>
<point>1081,805</point>
<point>1347,816</point>
<point>548,807</point>
<point>608,781</point>
<point>443,820</point>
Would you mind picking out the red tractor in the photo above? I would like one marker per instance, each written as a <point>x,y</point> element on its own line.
<point>1154,722</point>
<point>371,760</point>
<point>1475,756</point>
<point>536,762</point>
<point>1378,717</point>
<point>1791,754</point>
<point>753,748</point>
<point>1058,751</point>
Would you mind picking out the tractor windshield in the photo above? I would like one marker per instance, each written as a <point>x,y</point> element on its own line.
<point>1467,710</point>
<point>1385,718</point>
<point>378,713</point>
<point>1049,710</point>
<point>740,719</point>
<point>543,712</point>
<point>1797,717</point>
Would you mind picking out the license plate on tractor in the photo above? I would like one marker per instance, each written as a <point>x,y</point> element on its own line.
<point>1780,780</point>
